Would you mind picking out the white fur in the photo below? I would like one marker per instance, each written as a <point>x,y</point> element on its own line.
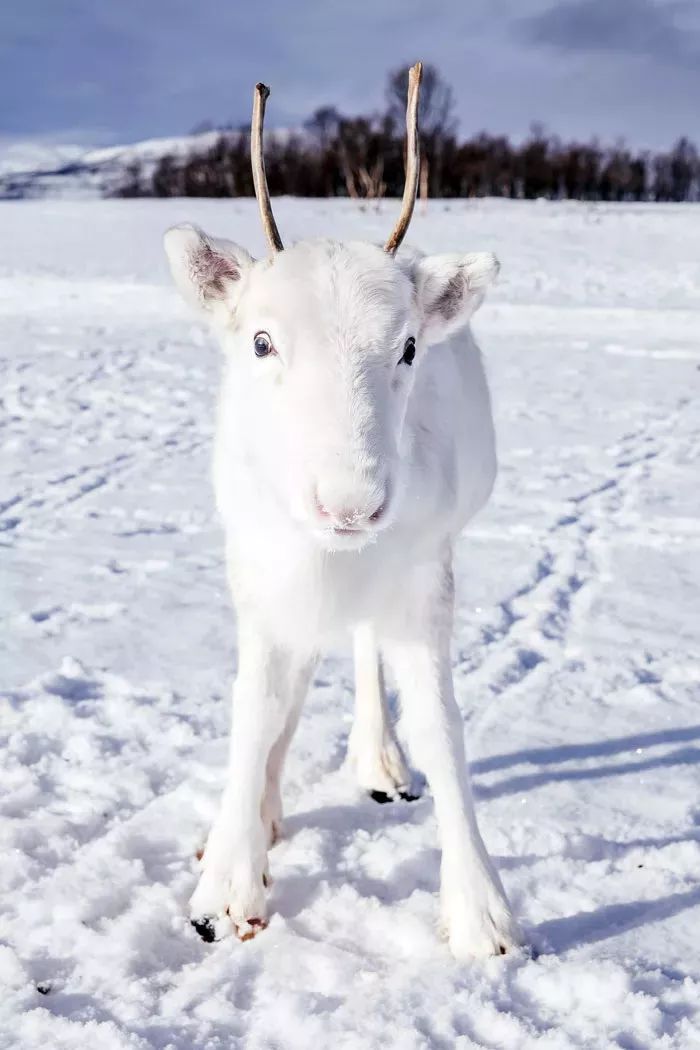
<point>311,442</point>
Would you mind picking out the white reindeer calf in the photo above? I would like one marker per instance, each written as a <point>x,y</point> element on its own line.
<point>354,441</point>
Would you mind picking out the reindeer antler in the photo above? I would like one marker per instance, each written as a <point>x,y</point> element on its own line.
<point>412,160</point>
<point>262,193</point>
<point>260,97</point>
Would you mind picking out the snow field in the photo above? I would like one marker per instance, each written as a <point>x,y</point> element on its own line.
<point>575,659</point>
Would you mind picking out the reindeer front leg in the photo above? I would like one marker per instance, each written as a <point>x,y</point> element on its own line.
<point>269,688</point>
<point>372,747</point>
<point>475,910</point>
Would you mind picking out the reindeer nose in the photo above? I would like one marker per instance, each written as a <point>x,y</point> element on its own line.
<point>349,515</point>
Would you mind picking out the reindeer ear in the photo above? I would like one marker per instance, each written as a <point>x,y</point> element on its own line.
<point>450,289</point>
<point>206,269</point>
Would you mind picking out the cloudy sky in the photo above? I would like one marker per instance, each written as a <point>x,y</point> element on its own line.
<point>104,71</point>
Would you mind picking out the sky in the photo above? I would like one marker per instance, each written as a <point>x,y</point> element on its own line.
<point>96,72</point>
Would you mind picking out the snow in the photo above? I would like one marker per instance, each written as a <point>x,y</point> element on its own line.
<point>23,155</point>
<point>575,659</point>
<point>33,169</point>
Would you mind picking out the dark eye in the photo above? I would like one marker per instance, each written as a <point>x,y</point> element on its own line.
<point>409,351</point>
<point>262,344</point>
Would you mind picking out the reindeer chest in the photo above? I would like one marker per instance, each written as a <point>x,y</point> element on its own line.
<point>309,597</point>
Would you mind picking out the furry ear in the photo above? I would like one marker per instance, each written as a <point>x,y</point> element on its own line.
<point>450,289</point>
<point>206,269</point>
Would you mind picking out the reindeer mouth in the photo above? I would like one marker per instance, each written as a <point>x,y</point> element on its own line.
<point>344,538</point>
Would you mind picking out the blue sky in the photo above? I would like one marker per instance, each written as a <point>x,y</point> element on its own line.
<point>103,71</point>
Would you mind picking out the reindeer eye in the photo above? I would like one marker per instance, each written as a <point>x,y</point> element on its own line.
<point>262,344</point>
<point>409,351</point>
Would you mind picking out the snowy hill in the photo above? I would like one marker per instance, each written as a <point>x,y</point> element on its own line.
<point>30,171</point>
<point>18,156</point>
<point>69,172</point>
<point>575,659</point>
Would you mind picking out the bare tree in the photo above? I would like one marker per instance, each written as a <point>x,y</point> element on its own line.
<point>435,107</point>
<point>684,170</point>
<point>360,152</point>
<point>323,126</point>
<point>436,120</point>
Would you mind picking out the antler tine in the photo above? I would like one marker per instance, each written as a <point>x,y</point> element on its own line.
<point>412,160</point>
<point>257,160</point>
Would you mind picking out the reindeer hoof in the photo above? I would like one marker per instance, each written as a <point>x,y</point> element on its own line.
<point>205,927</point>
<point>382,797</point>
<point>245,931</point>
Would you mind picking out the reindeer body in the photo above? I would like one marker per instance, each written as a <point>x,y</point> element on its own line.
<point>354,441</point>
<point>309,598</point>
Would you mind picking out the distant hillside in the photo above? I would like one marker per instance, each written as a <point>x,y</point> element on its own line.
<point>335,156</point>
<point>68,172</point>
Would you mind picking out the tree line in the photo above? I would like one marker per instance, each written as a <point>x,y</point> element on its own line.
<point>363,157</point>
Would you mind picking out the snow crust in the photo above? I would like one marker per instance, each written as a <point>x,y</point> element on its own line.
<point>575,658</point>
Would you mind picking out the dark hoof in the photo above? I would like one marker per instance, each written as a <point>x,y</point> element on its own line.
<point>382,798</point>
<point>205,928</point>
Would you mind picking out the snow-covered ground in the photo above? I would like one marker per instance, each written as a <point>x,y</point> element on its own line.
<point>33,170</point>
<point>576,659</point>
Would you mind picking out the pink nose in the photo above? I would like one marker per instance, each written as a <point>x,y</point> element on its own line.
<point>349,517</point>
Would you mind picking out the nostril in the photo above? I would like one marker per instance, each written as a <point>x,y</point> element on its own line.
<point>382,506</point>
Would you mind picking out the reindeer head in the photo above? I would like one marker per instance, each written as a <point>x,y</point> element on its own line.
<point>323,341</point>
